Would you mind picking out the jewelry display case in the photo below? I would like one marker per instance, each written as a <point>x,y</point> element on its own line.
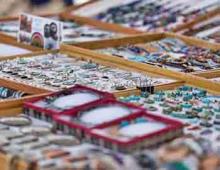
<point>140,54</point>
<point>106,75</point>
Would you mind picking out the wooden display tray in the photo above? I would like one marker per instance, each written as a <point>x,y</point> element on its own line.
<point>74,54</point>
<point>178,28</point>
<point>15,105</point>
<point>82,49</point>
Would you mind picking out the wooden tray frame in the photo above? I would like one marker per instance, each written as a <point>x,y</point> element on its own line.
<point>186,25</point>
<point>190,78</point>
<point>74,54</point>
<point>10,107</point>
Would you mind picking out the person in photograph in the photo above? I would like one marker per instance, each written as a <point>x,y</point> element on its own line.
<point>51,41</point>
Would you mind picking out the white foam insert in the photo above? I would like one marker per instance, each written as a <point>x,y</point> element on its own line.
<point>8,50</point>
<point>104,114</point>
<point>74,100</point>
<point>140,129</point>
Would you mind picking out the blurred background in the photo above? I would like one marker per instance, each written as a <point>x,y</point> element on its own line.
<point>15,7</point>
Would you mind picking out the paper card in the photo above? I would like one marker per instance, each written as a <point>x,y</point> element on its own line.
<point>38,31</point>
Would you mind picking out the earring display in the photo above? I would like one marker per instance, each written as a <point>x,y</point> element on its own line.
<point>169,53</point>
<point>58,71</point>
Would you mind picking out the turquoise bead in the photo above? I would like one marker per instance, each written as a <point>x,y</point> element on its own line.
<point>198,109</point>
<point>135,98</point>
<point>206,101</point>
<point>185,98</point>
<point>139,59</point>
<point>177,166</point>
<point>141,120</point>
<point>179,115</point>
<point>178,93</point>
<point>157,98</point>
<point>124,123</point>
<point>185,88</point>
<point>216,109</point>
<point>145,94</point>
<point>127,99</point>
<point>160,93</point>
<point>186,105</point>
<point>202,93</point>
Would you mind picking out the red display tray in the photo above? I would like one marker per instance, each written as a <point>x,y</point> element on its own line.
<point>73,124</point>
<point>107,135</point>
<point>34,109</point>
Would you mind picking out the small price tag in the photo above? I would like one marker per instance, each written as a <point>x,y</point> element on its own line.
<point>40,32</point>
